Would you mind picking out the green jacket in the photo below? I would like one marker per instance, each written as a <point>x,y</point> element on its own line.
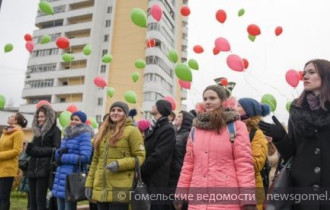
<point>115,187</point>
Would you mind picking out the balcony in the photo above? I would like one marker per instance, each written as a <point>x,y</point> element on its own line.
<point>27,92</point>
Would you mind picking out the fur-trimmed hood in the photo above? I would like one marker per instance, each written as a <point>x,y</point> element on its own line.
<point>72,131</point>
<point>40,131</point>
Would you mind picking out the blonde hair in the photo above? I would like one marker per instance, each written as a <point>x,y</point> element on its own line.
<point>252,123</point>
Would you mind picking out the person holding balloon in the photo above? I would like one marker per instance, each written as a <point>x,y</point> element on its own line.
<point>116,146</point>
<point>216,159</point>
<point>74,154</point>
<point>47,138</point>
<point>251,112</point>
<point>306,144</point>
<point>11,145</point>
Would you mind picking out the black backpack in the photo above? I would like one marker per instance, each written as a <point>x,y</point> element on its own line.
<point>266,169</point>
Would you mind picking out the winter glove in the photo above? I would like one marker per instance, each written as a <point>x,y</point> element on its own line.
<point>63,151</point>
<point>88,193</point>
<point>113,167</point>
<point>276,131</point>
<point>178,204</point>
<point>249,207</point>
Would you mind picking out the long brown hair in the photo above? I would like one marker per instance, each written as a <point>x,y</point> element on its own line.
<point>217,120</point>
<point>323,69</point>
<point>116,131</point>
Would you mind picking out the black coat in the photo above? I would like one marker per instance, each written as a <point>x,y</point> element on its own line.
<point>308,141</point>
<point>159,145</point>
<point>41,150</point>
<point>180,148</point>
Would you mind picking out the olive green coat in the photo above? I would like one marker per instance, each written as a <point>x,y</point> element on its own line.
<point>115,187</point>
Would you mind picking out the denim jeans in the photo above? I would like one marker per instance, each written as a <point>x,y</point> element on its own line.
<point>62,204</point>
<point>38,192</point>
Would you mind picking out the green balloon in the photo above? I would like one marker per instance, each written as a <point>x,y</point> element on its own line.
<point>130,96</point>
<point>252,38</point>
<point>110,91</point>
<point>183,72</point>
<point>94,123</point>
<point>107,58</point>
<point>270,100</point>
<point>66,57</point>
<point>173,56</point>
<point>2,101</point>
<point>45,39</point>
<point>87,49</point>
<point>288,105</point>
<point>8,48</point>
<point>241,12</point>
<point>46,7</point>
<point>140,63</point>
<point>135,76</point>
<point>139,17</point>
<point>193,64</point>
<point>65,118</point>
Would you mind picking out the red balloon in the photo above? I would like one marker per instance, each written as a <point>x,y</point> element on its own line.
<point>184,84</point>
<point>224,81</point>
<point>235,62</point>
<point>185,11</point>
<point>292,77</point>
<point>72,108</point>
<point>100,82</point>
<point>301,75</point>
<point>171,100</point>
<point>246,63</point>
<point>62,42</point>
<point>221,16</point>
<point>253,30</point>
<point>29,46</point>
<point>88,122</point>
<point>198,49</point>
<point>151,43</point>
<point>28,37</point>
<point>42,102</point>
<point>278,30</point>
<point>222,44</point>
<point>215,51</point>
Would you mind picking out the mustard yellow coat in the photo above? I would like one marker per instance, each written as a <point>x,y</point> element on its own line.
<point>11,145</point>
<point>259,146</point>
<point>108,186</point>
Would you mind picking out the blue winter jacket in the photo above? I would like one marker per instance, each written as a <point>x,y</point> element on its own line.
<point>78,141</point>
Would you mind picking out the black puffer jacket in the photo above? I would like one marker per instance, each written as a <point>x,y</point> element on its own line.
<point>180,148</point>
<point>159,145</point>
<point>308,141</point>
<point>45,140</point>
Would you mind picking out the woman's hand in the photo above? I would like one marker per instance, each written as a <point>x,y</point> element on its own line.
<point>113,167</point>
<point>276,131</point>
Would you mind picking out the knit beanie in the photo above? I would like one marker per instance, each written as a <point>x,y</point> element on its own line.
<point>143,124</point>
<point>121,105</point>
<point>164,107</point>
<point>82,116</point>
<point>253,107</point>
<point>220,90</point>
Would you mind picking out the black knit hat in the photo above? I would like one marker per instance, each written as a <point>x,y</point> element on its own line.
<point>221,92</point>
<point>164,107</point>
<point>121,105</point>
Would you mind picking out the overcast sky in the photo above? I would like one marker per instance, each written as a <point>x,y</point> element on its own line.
<point>306,35</point>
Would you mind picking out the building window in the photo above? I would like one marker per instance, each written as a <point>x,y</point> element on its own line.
<point>106,37</point>
<point>103,68</point>
<point>65,83</point>
<point>39,83</point>
<point>104,52</point>
<point>46,52</point>
<point>107,23</point>
<point>158,61</point>
<point>100,101</point>
<point>53,23</point>
<point>41,68</point>
<point>109,10</point>
<point>98,118</point>
<point>62,100</point>
<point>184,48</point>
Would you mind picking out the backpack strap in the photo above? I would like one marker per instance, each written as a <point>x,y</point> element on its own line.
<point>192,133</point>
<point>252,134</point>
<point>232,131</point>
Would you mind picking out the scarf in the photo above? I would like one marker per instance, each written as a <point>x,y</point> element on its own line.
<point>313,101</point>
<point>202,120</point>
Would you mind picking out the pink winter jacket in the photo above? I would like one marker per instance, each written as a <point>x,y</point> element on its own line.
<point>213,163</point>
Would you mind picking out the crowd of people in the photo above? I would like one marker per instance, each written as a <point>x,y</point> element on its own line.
<point>223,146</point>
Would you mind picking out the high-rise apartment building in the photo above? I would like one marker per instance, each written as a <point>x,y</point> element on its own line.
<point>107,27</point>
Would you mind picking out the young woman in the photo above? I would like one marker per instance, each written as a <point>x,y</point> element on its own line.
<point>212,162</point>
<point>112,170</point>
<point>251,112</point>
<point>11,145</point>
<point>307,140</point>
<point>75,152</point>
<point>47,138</point>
